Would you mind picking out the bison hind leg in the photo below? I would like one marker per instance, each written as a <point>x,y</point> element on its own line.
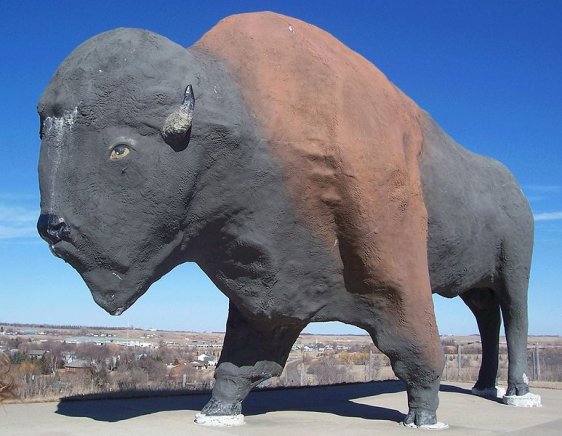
<point>485,305</point>
<point>513,303</point>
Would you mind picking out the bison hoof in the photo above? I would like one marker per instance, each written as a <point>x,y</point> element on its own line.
<point>220,414</point>
<point>527,400</point>
<point>424,419</point>
<point>219,420</point>
<point>221,408</point>
<point>495,392</point>
<point>517,389</point>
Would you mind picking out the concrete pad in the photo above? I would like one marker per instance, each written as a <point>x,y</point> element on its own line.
<point>358,409</point>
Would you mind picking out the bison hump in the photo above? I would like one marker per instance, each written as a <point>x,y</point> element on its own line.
<point>347,139</point>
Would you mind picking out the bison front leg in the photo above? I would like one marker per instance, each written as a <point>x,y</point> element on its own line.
<point>252,352</point>
<point>406,332</point>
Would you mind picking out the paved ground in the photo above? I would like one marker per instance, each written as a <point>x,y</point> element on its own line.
<point>362,409</point>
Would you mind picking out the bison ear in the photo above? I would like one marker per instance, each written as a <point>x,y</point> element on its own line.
<point>177,127</point>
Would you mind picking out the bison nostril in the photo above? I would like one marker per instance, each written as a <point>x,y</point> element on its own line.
<point>52,228</point>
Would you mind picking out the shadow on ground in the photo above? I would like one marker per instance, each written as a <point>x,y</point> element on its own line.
<point>457,390</point>
<point>327,399</point>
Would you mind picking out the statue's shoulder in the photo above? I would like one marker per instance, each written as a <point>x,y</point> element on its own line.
<point>267,34</point>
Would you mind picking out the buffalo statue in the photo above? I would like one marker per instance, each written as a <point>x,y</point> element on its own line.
<point>301,181</point>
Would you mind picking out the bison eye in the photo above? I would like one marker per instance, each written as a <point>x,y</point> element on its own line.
<point>119,152</point>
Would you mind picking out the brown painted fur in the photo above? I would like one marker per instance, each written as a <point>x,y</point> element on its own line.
<point>349,142</point>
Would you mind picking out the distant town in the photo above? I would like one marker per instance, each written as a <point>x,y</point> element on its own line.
<point>47,362</point>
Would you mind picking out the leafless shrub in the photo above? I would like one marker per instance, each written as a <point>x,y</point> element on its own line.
<point>355,358</point>
<point>329,370</point>
<point>7,385</point>
<point>127,378</point>
<point>116,368</point>
<point>550,361</point>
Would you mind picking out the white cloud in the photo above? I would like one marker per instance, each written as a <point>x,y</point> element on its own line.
<point>11,232</point>
<point>17,221</point>
<point>544,189</point>
<point>548,216</point>
<point>10,196</point>
<point>539,193</point>
<point>17,214</point>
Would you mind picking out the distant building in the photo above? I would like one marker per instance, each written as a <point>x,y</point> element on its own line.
<point>207,360</point>
<point>199,365</point>
<point>204,358</point>
<point>68,356</point>
<point>36,354</point>
<point>170,367</point>
<point>78,366</point>
<point>103,340</point>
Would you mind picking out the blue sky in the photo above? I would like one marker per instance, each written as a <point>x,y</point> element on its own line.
<point>488,71</point>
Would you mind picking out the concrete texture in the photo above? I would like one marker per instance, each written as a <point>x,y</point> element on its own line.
<point>361,409</point>
<point>302,182</point>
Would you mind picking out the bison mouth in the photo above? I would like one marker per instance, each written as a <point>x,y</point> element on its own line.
<point>70,254</point>
<point>117,282</point>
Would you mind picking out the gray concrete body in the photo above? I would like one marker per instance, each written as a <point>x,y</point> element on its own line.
<point>479,246</point>
<point>221,202</point>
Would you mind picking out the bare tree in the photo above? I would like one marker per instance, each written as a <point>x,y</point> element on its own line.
<point>329,370</point>
<point>7,385</point>
<point>53,359</point>
<point>129,377</point>
<point>155,370</point>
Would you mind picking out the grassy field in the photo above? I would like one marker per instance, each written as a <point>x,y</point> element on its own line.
<point>42,361</point>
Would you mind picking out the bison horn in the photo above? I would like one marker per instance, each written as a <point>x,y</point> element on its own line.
<point>177,127</point>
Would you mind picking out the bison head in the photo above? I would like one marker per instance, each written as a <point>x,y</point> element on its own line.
<point>115,170</point>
